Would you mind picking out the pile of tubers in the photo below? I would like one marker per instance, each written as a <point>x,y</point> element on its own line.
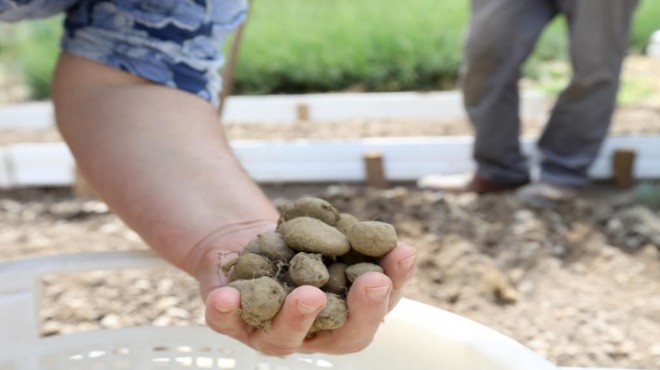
<point>314,245</point>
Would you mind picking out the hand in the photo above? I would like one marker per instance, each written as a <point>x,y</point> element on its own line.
<point>371,297</point>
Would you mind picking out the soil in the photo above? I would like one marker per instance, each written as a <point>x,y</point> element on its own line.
<point>567,282</point>
<point>579,283</point>
<point>637,119</point>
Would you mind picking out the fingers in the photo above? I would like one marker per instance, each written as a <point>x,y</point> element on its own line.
<point>371,296</point>
<point>399,265</point>
<point>222,314</point>
<point>287,331</point>
<point>292,323</point>
<point>368,302</point>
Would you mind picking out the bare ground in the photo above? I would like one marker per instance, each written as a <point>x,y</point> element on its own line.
<point>560,281</point>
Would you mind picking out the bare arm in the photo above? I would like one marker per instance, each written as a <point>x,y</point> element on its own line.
<point>156,155</point>
<point>159,158</point>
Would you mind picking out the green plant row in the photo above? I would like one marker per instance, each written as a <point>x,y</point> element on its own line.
<point>298,46</point>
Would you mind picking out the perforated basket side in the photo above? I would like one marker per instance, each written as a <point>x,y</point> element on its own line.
<point>156,348</point>
<point>413,336</point>
<point>20,287</point>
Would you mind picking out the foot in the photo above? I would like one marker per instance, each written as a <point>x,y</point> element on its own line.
<point>546,195</point>
<point>465,183</point>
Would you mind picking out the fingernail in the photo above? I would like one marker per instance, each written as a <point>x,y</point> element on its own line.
<point>407,263</point>
<point>306,309</point>
<point>378,293</point>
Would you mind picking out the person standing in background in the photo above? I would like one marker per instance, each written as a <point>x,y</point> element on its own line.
<point>502,35</point>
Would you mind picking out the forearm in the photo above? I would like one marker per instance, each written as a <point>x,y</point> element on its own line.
<point>157,156</point>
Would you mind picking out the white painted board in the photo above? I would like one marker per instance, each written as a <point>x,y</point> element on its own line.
<point>405,159</point>
<point>27,116</point>
<point>342,160</point>
<point>40,164</point>
<point>321,108</point>
<point>343,106</point>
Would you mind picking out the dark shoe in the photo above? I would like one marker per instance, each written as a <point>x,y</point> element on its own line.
<point>465,183</point>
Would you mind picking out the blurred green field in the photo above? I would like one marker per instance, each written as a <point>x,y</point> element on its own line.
<point>297,46</point>
<point>302,45</point>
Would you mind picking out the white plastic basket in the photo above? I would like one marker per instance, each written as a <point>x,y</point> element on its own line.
<point>413,336</point>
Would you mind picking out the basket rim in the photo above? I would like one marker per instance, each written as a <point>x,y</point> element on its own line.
<point>423,320</point>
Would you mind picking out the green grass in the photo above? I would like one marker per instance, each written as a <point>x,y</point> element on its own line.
<point>647,20</point>
<point>554,76</point>
<point>303,45</point>
<point>552,72</point>
<point>322,45</point>
<point>297,46</point>
<point>31,48</point>
<point>636,91</point>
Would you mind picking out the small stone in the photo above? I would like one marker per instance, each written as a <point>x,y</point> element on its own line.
<point>110,321</point>
<point>51,327</point>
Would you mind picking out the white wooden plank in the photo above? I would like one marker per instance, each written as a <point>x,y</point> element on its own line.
<point>647,162</point>
<point>322,108</point>
<point>422,105</point>
<point>260,109</point>
<point>386,105</point>
<point>644,144</point>
<point>343,106</point>
<point>40,164</point>
<point>26,116</point>
<point>645,168</point>
<point>406,159</point>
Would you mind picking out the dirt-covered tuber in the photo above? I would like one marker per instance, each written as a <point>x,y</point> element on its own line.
<point>314,245</point>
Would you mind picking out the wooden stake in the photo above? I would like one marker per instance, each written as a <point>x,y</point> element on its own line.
<point>302,112</point>
<point>623,164</point>
<point>228,76</point>
<point>375,173</point>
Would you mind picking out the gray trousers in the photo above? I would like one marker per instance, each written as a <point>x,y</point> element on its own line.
<point>501,36</point>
